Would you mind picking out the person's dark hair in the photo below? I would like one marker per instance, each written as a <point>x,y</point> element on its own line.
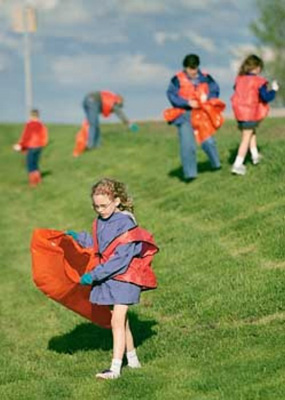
<point>34,113</point>
<point>250,63</point>
<point>191,61</point>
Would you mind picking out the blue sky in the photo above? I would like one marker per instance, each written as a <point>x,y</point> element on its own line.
<point>132,47</point>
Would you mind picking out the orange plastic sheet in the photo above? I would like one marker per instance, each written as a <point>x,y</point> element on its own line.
<point>81,139</point>
<point>57,264</point>
<point>205,120</point>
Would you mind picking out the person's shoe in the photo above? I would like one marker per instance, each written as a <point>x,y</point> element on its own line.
<point>135,365</point>
<point>257,159</point>
<point>240,170</point>
<point>107,374</point>
<point>189,180</point>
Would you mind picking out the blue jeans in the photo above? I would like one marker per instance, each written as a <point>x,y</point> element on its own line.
<point>188,153</point>
<point>33,157</point>
<point>92,110</point>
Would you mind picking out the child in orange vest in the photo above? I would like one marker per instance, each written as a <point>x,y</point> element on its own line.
<point>250,105</point>
<point>34,137</point>
<point>123,271</point>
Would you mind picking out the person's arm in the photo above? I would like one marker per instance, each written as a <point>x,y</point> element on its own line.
<point>23,139</point>
<point>214,89</point>
<point>118,263</point>
<point>265,94</point>
<point>173,96</point>
<point>120,114</point>
<point>44,135</point>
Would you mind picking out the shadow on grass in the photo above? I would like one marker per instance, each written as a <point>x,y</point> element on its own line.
<point>45,173</point>
<point>204,166</point>
<point>88,336</point>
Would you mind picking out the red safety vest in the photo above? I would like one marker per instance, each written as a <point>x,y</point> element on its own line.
<point>188,91</point>
<point>206,119</point>
<point>246,102</point>
<point>35,134</point>
<point>139,271</point>
<point>108,99</point>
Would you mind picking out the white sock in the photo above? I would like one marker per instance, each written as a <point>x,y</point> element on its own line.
<point>132,358</point>
<point>116,366</point>
<point>238,161</point>
<point>254,153</point>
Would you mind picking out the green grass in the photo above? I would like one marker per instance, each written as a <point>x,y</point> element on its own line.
<point>213,330</point>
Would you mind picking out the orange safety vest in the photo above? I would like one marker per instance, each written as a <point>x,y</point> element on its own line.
<point>206,119</point>
<point>108,99</point>
<point>35,135</point>
<point>139,271</point>
<point>246,102</point>
<point>81,139</point>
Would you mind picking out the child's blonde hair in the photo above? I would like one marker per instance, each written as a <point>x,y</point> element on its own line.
<point>250,63</point>
<point>113,188</point>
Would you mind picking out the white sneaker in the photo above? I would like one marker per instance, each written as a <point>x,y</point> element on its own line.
<point>240,170</point>
<point>135,365</point>
<point>257,160</point>
<point>107,374</point>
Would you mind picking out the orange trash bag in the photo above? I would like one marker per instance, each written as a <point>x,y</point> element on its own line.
<point>81,139</point>
<point>58,261</point>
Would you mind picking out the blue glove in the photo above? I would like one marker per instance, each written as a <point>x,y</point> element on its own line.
<point>133,128</point>
<point>86,279</point>
<point>73,234</point>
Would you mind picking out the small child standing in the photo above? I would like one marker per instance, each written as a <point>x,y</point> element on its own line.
<point>124,268</point>
<point>250,106</point>
<point>34,137</point>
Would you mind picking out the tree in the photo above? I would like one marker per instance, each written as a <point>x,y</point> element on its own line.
<point>270,31</point>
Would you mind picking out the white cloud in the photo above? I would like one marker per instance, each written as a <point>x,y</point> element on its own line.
<point>203,42</point>
<point>44,4</point>
<point>142,6</point>
<point>163,37</point>
<point>109,70</point>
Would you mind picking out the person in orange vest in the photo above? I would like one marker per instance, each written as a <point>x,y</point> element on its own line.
<point>124,270</point>
<point>186,89</point>
<point>33,139</point>
<point>250,106</point>
<point>105,103</point>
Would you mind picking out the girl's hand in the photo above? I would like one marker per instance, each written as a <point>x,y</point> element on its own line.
<point>73,234</point>
<point>275,86</point>
<point>86,279</point>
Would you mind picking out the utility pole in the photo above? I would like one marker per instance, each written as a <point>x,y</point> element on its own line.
<point>24,21</point>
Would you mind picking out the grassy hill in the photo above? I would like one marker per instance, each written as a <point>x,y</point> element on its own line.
<point>214,329</point>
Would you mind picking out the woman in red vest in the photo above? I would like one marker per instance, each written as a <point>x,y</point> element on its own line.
<point>250,106</point>
<point>105,103</point>
<point>186,89</point>
<point>124,253</point>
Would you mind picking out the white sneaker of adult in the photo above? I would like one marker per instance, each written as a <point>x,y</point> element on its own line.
<point>107,374</point>
<point>256,160</point>
<point>134,365</point>
<point>240,170</point>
